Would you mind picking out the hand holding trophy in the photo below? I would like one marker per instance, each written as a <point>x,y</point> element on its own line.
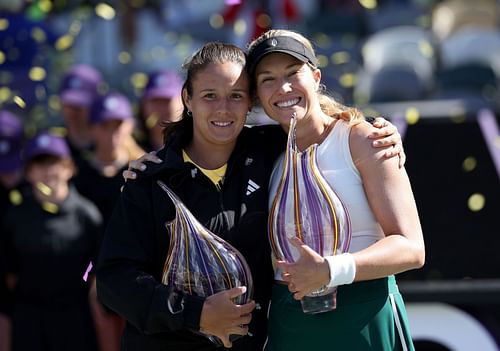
<point>306,207</point>
<point>201,263</point>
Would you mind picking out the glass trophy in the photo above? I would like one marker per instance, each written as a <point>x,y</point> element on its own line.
<point>306,206</point>
<point>201,263</point>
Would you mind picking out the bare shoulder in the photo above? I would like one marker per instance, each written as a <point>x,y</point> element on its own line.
<point>361,145</point>
<point>361,130</point>
<point>358,136</point>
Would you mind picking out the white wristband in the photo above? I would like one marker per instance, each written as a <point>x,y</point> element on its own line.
<point>342,269</point>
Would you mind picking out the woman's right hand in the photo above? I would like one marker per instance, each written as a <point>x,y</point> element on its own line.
<point>140,165</point>
<point>221,317</point>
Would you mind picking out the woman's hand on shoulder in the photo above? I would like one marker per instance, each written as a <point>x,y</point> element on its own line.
<point>221,317</point>
<point>140,165</point>
<point>387,134</point>
<point>362,147</point>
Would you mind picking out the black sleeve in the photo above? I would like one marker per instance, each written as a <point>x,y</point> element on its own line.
<point>94,229</point>
<point>8,255</point>
<point>125,279</point>
<point>370,119</point>
<point>8,261</point>
<point>4,250</point>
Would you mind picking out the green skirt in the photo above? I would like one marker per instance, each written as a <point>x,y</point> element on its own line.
<point>370,315</point>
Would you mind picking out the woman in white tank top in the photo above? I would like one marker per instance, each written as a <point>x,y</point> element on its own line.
<point>386,233</point>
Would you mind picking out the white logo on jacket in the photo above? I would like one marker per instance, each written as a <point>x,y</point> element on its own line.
<point>251,187</point>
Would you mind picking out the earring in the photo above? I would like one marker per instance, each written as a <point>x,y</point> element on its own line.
<point>189,113</point>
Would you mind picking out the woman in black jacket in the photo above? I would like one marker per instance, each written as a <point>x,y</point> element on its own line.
<point>220,170</point>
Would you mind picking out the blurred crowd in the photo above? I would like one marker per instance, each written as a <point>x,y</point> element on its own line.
<point>57,191</point>
<point>84,90</point>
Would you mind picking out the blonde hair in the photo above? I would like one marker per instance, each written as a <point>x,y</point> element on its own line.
<point>328,104</point>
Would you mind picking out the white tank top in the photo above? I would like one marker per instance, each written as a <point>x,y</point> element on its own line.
<point>335,161</point>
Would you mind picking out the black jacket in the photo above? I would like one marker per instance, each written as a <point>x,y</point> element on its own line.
<point>49,251</point>
<point>136,243</point>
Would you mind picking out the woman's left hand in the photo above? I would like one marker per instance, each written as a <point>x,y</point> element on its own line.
<point>387,134</point>
<point>140,165</point>
<point>308,274</point>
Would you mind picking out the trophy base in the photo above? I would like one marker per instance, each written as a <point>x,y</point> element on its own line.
<point>218,342</point>
<point>319,304</point>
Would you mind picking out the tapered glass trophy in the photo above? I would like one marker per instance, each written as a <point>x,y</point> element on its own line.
<point>306,206</point>
<point>201,263</point>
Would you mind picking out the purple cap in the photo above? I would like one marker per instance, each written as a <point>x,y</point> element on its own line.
<point>80,85</point>
<point>163,84</point>
<point>11,138</point>
<point>46,143</point>
<point>111,106</point>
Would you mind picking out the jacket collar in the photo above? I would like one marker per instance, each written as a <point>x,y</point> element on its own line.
<point>171,153</point>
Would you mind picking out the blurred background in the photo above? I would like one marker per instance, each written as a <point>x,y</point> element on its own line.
<point>431,67</point>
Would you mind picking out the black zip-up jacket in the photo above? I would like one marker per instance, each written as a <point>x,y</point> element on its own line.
<point>135,245</point>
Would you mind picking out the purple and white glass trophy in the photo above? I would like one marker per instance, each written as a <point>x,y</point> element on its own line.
<point>201,263</point>
<point>306,206</point>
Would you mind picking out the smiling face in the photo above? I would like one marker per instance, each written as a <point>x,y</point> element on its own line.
<point>286,85</point>
<point>219,103</point>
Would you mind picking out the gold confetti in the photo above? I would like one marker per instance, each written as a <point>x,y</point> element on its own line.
<point>50,207</point>
<point>105,11</point>
<point>340,57</point>
<point>64,42</point>
<point>37,73</point>
<point>19,101</point>
<point>368,4</point>
<point>4,23</point>
<point>240,27</point>
<point>43,188</point>
<point>216,21</point>
<point>15,197</point>
<point>347,80</point>
<point>151,121</point>
<point>124,57</point>
<point>469,164</point>
<point>476,202</point>
<point>412,115</point>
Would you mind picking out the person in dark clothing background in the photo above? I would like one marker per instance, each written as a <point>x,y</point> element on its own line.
<point>79,88</point>
<point>160,103</point>
<point>47,241</point>
<point>99,179</point>
<point>11,188</point>
<point>99,175</point>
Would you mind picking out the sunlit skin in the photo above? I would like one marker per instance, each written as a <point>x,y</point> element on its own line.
<point>219,104</point>
<point>295,75</point>
<point>284,89</point>
<point>212,145</point>
<point>77,123</point>
<point>158,110</point>
<point>287,86</point>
